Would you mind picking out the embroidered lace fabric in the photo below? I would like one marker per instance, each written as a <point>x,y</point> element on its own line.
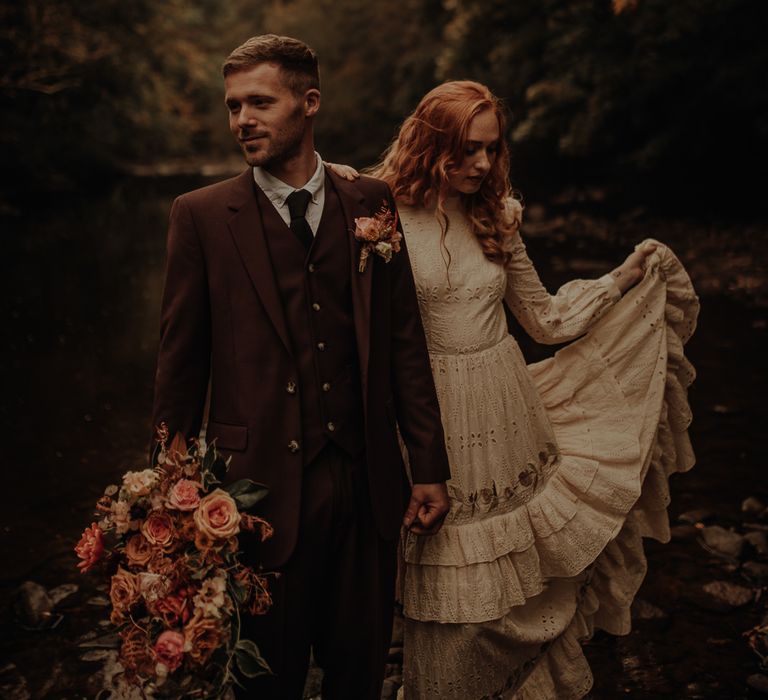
<point>559,468</point>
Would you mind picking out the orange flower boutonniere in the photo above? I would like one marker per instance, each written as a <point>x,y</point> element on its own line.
<point>377,234</point>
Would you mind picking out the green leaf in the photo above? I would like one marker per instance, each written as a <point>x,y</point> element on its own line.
<point>249,659</point>
<point>246,493</point>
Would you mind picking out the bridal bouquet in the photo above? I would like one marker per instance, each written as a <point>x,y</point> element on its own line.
<point>167,540</point>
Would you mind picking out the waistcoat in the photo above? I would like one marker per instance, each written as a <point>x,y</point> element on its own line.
<point>315,288</point>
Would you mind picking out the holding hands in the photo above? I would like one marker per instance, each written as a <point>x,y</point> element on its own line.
<point>427,508</point>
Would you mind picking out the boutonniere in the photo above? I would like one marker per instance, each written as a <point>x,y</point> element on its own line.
<point>377,234</point>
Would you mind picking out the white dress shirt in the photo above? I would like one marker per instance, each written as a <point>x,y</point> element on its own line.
<point>277,191</point>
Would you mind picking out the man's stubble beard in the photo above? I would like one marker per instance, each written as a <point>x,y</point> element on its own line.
<point>284,146</point>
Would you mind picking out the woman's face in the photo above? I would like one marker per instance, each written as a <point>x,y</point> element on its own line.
<point>480,152</point>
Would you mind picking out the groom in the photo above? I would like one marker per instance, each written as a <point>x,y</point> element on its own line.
<point>311,363</point>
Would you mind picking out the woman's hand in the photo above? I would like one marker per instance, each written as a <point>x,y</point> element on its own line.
<point>631,271</point>
<point>345,171</point>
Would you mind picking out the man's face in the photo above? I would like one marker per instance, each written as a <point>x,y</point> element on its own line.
<point>267,119</point>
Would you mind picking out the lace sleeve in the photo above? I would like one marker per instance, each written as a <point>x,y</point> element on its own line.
<point>559,318</point>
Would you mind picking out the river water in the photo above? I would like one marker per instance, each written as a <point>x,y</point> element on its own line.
<point>80,318</point>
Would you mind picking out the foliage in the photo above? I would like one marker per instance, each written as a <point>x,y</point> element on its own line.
<point>628,91</point>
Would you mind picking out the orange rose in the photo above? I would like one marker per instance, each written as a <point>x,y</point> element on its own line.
<point>138,550</point>
<point>124,593</point>
<point>217,515</point>
<point>90,547</point>
<point>159,531</point>
<point>203,636</point>
<point>169,650</point>
<point>174,609</point>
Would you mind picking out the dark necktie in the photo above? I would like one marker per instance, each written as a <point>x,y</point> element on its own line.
<point>297,205</point>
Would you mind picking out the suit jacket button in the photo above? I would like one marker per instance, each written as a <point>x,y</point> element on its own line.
<point>293,446</point>
<point>321,346</point>
<point>291,387</point>
<point>326,386</point>
<point>331,426</point>
<point>312,268</point>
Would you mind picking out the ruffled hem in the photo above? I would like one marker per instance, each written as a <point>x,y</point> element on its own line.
<point>625,384</point>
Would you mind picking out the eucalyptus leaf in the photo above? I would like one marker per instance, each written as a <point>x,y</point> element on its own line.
<point>247,493</point>
<point>249,659</point>
<point>107,641</point>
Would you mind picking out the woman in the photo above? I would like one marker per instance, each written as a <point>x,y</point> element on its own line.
<point>558,468</point>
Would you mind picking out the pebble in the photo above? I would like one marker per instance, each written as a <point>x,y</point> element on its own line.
<point>752,505</point>
<point>756,570</point>
<point>758,682</point>
<point>33,605</point>
<point>62,592</point>
<point>724,542</point>
<point>683,532</point>
<point>643,610</point>
<point>99,600</point>
<point>759,540</point>
<point>727,595</point>
<point>696,516</point>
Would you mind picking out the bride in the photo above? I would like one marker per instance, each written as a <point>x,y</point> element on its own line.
<point>559,468</point>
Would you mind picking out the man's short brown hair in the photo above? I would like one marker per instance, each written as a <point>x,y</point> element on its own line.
<point>297,61</point>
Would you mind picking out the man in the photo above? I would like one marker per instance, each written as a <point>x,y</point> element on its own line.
<point>311,363</point>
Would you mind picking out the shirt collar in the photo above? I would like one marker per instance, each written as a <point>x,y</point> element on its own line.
<point>278,191</point>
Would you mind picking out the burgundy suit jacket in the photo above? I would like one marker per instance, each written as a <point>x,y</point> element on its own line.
<point>222,319</point>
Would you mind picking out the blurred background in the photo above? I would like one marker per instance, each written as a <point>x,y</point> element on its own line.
<point>628,119</point>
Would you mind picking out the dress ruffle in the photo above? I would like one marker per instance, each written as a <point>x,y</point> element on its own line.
<point>616,404</point>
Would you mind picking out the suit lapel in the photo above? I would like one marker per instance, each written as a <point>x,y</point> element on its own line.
<point>353,205</point>
<point>248,234</point>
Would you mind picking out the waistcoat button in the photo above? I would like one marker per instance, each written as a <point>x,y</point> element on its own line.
<point>326,386</point>
<point>321,346</point>
<point>291,387</point>
<point>293,446</point>
<point>331,426</point>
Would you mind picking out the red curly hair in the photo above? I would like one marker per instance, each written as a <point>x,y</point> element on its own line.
<point>431,145</point>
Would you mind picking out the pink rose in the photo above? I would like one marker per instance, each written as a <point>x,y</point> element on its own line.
<point>217,515</point>
<point>169,649</point>
<point>90,547</point>
<point>184,495</point>
<point>158,529</point>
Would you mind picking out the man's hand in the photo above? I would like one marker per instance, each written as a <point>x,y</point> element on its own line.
<point>427,509</point>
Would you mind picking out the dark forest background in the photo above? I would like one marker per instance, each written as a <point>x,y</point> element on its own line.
<point>628,119</point>
<point>647,98</point>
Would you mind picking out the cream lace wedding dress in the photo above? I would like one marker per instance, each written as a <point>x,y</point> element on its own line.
<point>559,468</point>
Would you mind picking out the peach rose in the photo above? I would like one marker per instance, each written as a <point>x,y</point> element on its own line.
<point>123,592</point>
<point>169,650</point>
<point>159,531</point>
<point>217,515</point>
<point>90,547</point>
<point>203,636</point>
<point>138,550</point>
<point>367,228</point>
<point>184,495</point>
